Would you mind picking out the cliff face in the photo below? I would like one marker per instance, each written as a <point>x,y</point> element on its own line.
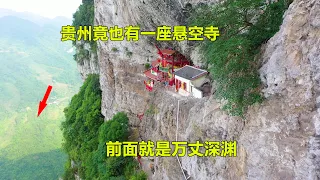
<point>121,73</point>
<point>87,64</point>
<point>280,138</point>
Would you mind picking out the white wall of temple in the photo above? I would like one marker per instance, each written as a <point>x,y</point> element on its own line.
<point>196,93</point>
<point>191,86</point>
<point>198,82</point>
<point>188,82</point>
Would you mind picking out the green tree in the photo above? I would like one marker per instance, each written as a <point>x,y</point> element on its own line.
<point>83,119</point>
<point>84,16</point>
<point>116,129</point>
<point>88,148</point>
<point>244,26</point>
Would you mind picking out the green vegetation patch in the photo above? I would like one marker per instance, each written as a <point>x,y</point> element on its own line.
<point>84,16</point>
<point>244,26</point>
<point>86,135</point>
<point>128,53</point>
<point>28,143</point>
<point>83,119</point>
<point>36,166</point>
<point>147,65</point>
<point>151,110</point>
<point>114,49</point>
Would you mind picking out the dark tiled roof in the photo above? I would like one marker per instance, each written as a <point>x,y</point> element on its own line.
<point>190,72</point>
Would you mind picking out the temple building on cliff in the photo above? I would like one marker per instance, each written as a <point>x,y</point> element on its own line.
<point>173,69</point>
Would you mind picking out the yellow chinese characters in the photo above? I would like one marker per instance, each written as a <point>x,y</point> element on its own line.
<point>195,33</point>
<point>180,33</point>
<point>146,149</point>
<point>68,33</point>
<point>132,33</point>
<point>179,146</point>
<point>130,149</point>
<point>85,33</point>
<point>164,33</point>
<point>100,32</point>
<point>175,148</point>
<point>113,148</point>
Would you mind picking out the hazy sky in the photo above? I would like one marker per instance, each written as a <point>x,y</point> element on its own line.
<point>44,8</point>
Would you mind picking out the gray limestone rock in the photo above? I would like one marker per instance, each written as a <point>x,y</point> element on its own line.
<point>279,139</point>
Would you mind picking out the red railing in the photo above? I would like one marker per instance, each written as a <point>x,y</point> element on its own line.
<point>148,87</point>
<point>171,83</point>
<point>140,116</point>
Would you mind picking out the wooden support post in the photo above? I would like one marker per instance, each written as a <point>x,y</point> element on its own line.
<point>173,56</point>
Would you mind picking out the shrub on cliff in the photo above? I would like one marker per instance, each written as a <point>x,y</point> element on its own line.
<point>83,119</point>
<point>85,135</point>
<point>102,167</point>
<point>84,16</point>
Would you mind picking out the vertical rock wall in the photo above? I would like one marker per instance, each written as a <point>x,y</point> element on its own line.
<point>279,139</point>
<point>87,65</point>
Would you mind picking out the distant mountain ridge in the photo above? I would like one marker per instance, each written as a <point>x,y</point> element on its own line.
<point>37,19</point>
<point>32,57</point>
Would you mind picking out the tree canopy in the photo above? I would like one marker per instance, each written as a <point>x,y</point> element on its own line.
<point>85,135</point>
<point>243,26</point>
<point>84,16</point>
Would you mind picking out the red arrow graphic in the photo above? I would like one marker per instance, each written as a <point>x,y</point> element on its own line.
<point>43,103</point>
